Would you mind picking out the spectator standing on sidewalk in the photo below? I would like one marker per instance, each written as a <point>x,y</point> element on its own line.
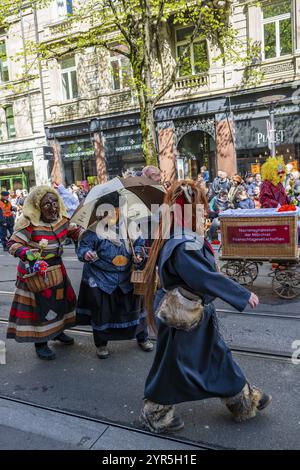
<point>220,183</point>
<point>71,201</point>
<point>152,172</point>
<point>6,219</point>
<point>256,193</point>
<point>237,186</point>
<point>217,205</point>
<point>244,201</point>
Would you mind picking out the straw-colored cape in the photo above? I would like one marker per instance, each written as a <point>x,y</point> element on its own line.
<point>31,214</point>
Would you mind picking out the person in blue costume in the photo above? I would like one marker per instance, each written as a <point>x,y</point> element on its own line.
<point>106,299</point>
<point>196,364</point>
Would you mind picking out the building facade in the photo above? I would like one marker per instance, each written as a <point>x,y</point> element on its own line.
<point>208,118</point>
<point>22,133</point>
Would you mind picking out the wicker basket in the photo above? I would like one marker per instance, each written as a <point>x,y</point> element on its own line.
<point>255,247</point>
<point>37,283</point>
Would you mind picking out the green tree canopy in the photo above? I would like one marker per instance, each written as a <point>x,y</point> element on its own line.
<point>134,29</point>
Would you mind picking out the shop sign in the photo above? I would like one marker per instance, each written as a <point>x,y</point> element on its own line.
<point>62,132</point>
<point>262,138</point>
<point>123,151</point>
<point>122,144</point>
<point>253,133</point>
<point>14,158</point>
<point>48,153</point>
<point>129,145</point>
<point>75,151</point>
<point>260,234</point>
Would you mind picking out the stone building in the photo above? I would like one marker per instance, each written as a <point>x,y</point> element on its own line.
<point>22,133</point>
<point>208,118</point>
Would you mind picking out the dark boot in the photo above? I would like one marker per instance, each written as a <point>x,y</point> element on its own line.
<point>245,404</point>
<point>44,352</point>
<point>65,339</point>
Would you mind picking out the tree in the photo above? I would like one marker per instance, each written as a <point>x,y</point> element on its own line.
<point>137,27</point>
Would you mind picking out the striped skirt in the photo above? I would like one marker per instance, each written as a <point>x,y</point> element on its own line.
<point>43,316</point>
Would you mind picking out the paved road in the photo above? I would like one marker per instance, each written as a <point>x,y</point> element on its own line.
<point>112,390</point>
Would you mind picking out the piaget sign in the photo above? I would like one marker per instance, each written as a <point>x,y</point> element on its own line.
<point>21,157</point>
<point>262,138</point>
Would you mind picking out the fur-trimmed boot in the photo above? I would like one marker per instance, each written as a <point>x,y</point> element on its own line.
<point>245,404</point>
<point>160,418</point>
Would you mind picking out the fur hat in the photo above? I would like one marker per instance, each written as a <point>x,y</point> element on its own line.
<point>31,210</point>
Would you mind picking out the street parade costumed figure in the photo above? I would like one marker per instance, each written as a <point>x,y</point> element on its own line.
<point>106,298</point>
<point>272,192</point>
<point>191,363</point>
<point>37,241</point>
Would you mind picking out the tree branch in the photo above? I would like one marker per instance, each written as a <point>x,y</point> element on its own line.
<point>179,62</point>
<point>118,24</point>
<point>156,28</point>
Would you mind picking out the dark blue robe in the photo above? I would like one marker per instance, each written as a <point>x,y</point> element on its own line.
<point>197,364</point>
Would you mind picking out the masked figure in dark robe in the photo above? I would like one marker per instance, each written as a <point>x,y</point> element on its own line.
<point>195,364</point>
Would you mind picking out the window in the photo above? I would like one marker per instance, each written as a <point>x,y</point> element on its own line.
<point>120,72</point>
<point>277,29</point>
<point>69,78</point>
<point>196,60</point>
<point>4,77</point>
<point>64,7</point>
<point>10,122</point>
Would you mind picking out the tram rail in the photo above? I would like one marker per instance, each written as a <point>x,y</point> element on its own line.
<point>263,353</point>
<point>200,445</point>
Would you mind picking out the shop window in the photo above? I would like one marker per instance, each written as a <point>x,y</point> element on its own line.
<point>64,7</point>
<point>277,29</point>
<point>4,77</point>
<point>120,72</point>
<point>10,122</point>
<point>69,78</point>
<point>196,60</point>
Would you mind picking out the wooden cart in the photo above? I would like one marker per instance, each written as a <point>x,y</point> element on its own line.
<point>252,237</point>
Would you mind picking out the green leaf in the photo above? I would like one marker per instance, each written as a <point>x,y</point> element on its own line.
<point>30,257</point>
<point>49,256</point>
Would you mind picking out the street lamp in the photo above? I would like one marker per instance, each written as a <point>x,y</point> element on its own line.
<point>270,102</point>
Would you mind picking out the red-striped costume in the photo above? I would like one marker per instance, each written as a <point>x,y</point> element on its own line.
<point>43,316</point>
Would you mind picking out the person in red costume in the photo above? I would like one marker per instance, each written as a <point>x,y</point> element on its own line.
<point>272,193</point>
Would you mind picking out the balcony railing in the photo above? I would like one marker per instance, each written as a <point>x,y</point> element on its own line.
<point>280,66</point>
<point>194,81</point>
<point>108,102</point>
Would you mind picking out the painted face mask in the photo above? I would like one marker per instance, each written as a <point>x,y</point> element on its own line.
<point>49,208</point>
<point>280,172</point>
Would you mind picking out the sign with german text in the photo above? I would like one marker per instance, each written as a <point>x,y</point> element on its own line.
<point>260,234</point>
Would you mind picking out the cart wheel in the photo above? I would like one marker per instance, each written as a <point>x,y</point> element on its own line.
<point>243,272</point>
<point>230,268</point>
<point>286,284</point>
<point>253,267</point>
